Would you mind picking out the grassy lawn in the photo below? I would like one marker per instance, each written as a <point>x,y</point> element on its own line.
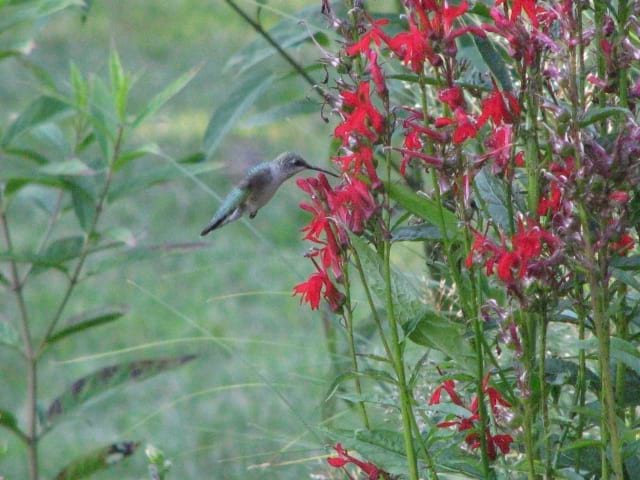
<point>215,417</point>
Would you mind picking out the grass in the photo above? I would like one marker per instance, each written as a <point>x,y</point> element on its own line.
<point>213,417</point>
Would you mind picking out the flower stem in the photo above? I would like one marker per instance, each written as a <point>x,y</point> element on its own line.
<point>396,346</point>
<point>348,318</point>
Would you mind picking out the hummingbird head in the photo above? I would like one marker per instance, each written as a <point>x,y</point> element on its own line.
<point>291,163</point>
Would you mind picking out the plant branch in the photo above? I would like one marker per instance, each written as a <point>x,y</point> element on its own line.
<point>281,51</point>
<point>85,247</point>
<point>30,357</point>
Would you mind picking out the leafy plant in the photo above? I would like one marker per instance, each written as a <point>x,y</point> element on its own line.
<point>73,146</point>
<point>503,136</point>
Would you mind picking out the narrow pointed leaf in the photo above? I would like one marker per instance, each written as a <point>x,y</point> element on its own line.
<point>86,321</point>
<point>424,208</point>
<point>73,167</point>
<point>238,101</point>
<point>435,331</point>
<point>408,307</point>
<point>96,460</point>
<point>494,62</point>
<point>8,421</point>
<point>40,111</point>
<point>157,102</point>
<point>598,114</point>
<point>107,378</point>
<point>131,155</point>
<point>61,251</point>
<point>493,195</point>
<point>9,335</point>
<point>416,233</point>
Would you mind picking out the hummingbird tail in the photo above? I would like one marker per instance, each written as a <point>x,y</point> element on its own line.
<point>211,227</point>
<point>220,220</point>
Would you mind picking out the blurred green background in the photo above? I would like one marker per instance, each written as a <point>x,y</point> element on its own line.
<point>212,417</point>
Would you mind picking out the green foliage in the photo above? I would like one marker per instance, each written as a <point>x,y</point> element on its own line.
<point>107,378</point>
<point>96,460</point>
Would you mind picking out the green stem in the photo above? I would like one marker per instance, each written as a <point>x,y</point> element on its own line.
<point>582,374</point>
<point>543,396</point>
<point>75,276</point>
<point>348,318</point>
<point>372,306</point>
<point>405,397</point>
<point>425,451</point>
<point>29,354</point>
<point>622,330</point>
<point>396,346</point>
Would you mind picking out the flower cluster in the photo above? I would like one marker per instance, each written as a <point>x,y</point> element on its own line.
<point>463,424</point>
<point>523,260</point>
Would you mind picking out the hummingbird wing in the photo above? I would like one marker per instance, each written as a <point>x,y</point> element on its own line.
<point>231,209</point>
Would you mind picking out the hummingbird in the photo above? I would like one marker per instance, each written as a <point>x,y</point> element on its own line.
<point>258,187</point>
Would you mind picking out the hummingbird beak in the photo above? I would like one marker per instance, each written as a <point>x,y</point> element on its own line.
<point>318,169</point>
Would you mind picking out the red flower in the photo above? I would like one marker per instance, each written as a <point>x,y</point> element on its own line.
<point>361,117</point>
<point>465,126</point>
<point>495,108</point>
<point>529,6</point>
<point>344,458</point>
<point>452,96</point>
<point>462,424</point>
<point>500,143</point>
<point>412,47</point>
<point>527,246</point>
<point>353,162</point>
<point>375,35</point>
<point>353,205</point>
<point>317,285</point>
<point>619,197</point>
<point>448,386</point>
<point>623,245</point>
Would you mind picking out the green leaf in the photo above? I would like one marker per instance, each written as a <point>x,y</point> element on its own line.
<point>119,84</point>
<point>424,208</point>
<point>83,206</point>
<point>88,320</point>
<point>8,421</point>
<point>407,305</point>
<point>416,233</point>
<point>42,110</point>
<point>80,86</point>
<point>96,460</point>
<point>631,262</point>
<point>449,409</point>
<point>9,335</point>
<point>107,378</point>
<point>238,101</point>
<point>558,371</point>
<point>494,62</point>
<point>157,102</point>
<point>492,192</point>
<point>131,155</point>
<point>626,277</point>
<point>62,250</point>
<point>73,167</point>
<point>598,114</point>
<point>435,331</point>
<point>625,352</point>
